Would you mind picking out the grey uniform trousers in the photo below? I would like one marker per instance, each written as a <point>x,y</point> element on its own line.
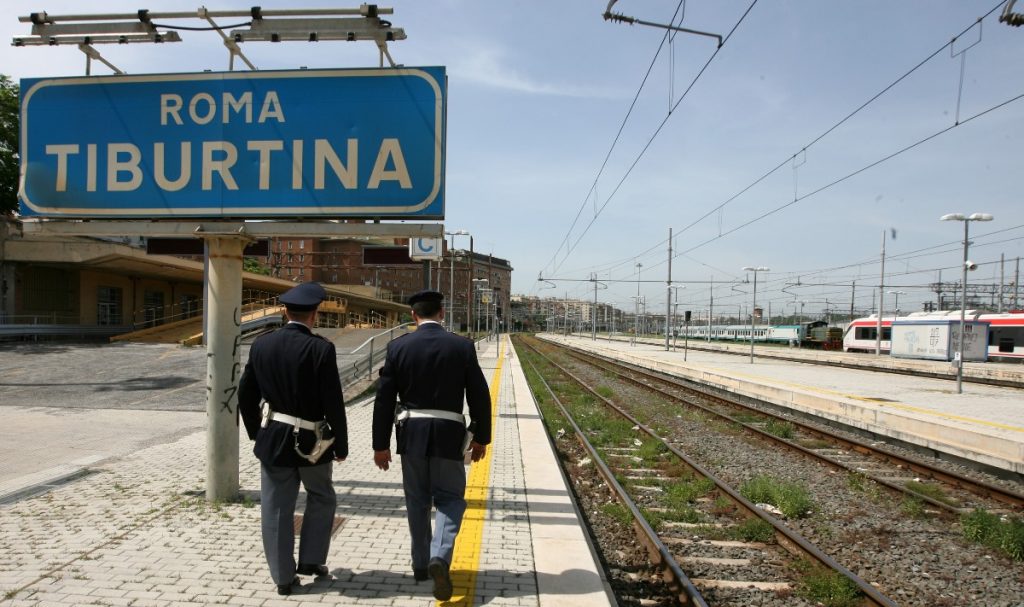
<point>279,490</point>
<point>437,482</point>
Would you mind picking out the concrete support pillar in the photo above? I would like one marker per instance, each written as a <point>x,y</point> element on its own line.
<point>223,364</point>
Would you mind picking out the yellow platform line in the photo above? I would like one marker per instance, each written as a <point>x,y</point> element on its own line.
<point>468,544</point>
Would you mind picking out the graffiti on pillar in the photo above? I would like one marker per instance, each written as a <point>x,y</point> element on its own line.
<point>230,394</point>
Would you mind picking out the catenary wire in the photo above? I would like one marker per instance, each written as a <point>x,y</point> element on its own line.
<point>887,88</point>
<point>657,131</point>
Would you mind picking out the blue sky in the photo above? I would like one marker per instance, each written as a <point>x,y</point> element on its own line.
<point>538,92</point>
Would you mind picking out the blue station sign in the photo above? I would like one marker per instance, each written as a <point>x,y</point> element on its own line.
<point>280,144</point>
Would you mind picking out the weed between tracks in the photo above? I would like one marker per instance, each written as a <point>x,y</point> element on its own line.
<point>827,587</point>
<point>791,498</point>
<point>932,491</point>
<point>1001,533</point>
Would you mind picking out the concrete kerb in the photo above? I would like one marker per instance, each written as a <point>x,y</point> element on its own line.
<point>45,480</point>
<point>945,436</point>
<point>565,560</point>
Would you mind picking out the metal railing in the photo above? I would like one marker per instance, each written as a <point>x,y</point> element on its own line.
<point>371,319</point>
<point>36,330</point>
<point>48,318</point>
<point>377,350</point>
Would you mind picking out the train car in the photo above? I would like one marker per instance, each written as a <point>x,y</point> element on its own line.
<point>726,332</point>
<point>821,336</point>
<point>860,334</point>
<point>785,334</point>
<point>782,334</point>
<point>1005,334</point>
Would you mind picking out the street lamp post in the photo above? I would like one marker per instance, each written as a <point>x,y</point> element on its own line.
<point>476,295</point>
<point>451,280</point>
<point>967,219</point>
<point>636,316</point>
<point>675,312</point>
<point>753,306</point>
<point>686,323</point>
<point>896,301</point>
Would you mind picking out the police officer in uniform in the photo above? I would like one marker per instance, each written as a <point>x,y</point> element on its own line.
<point>429,372</point>
<point>290,400</point>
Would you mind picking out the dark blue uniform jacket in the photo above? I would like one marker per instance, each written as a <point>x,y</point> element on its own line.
<point>297,373</point>
<point>431,369</point>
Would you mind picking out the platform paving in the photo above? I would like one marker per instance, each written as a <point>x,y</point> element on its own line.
<point>984,424</point>
<point>127,525</point>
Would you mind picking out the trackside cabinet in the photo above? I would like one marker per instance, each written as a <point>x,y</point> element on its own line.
<point>939,339</point>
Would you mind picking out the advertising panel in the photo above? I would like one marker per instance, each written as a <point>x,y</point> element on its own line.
<point>274,144</point>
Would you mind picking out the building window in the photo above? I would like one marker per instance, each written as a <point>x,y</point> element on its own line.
<point>49,290</point>
<point>289,245</point>
<point>152,308</point>
<point>302,244</point>
<point>108,306</point>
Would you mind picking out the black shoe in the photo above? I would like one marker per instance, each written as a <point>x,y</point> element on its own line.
<point>286,589</point>
<point>438,570</point>
<point>307,569</point>
<point>420,575</point>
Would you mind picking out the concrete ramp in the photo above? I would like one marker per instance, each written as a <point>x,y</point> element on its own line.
<point>169,333</point>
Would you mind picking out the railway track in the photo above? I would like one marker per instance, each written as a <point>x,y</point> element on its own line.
<point>900,473</point>
<point>727,546</point>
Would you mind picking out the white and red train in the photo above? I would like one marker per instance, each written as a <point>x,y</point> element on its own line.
<point>1005,332</point>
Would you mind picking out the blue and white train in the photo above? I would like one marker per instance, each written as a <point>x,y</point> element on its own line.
<point>808,334</point>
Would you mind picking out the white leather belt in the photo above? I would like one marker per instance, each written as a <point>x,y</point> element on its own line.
<point>292,420</point>
<point>431,413</point>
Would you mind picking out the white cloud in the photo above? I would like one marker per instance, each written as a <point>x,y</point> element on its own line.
<point>489,68</point>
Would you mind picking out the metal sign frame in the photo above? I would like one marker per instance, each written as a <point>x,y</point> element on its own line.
<point>225,240</point>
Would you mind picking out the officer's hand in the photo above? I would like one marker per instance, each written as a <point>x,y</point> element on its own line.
<point>339,459</point>
<point>382,458</point>
<point>479,451</point>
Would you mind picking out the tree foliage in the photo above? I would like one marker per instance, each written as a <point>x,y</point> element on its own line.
<point>250,264</point>
<point>8,145</point>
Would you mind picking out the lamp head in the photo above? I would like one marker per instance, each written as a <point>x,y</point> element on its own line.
<point>953,217</point>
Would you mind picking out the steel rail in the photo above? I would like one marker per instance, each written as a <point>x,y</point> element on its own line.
<point>787,538</point>
<point>949,477</point>
<point>685,591</point>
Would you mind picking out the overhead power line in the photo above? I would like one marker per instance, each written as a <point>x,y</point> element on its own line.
<point>556,265</point>
<point>658,245</point>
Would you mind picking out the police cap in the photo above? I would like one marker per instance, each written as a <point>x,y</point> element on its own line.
<point>435,296</point>
<point>304,298</point>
